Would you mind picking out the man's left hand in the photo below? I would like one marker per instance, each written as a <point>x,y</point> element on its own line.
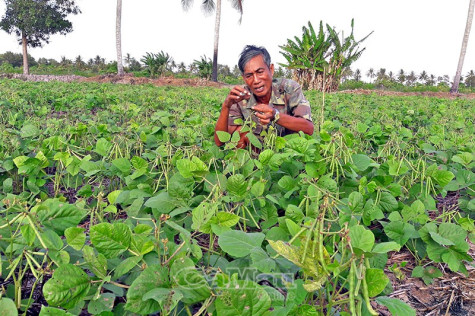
<point>264,113</point>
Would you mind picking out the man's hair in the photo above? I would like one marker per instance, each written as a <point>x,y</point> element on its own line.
<point>251,51</point>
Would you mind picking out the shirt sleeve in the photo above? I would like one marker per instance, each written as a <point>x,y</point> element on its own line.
<point>299,106</point>
<point>235,113</point>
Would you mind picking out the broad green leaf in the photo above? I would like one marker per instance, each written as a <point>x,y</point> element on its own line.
<point>126,265</point>
<point>223,136</point>
<point>244,298</point>
<point>110,239</point>
<point>97,263</point>
<point>385,247</point>
<point>58,215</point>
<point>154,276</point>
<point>162,202</point>
<point>356,202</point>
<point>362,162</point>
<point>440,240</point>
<point>395,306</point>
<point>123,164</point>
<point>376,280</point>
<point>326,182</point>
<point>75,237</point>
<point>8,185</point>
<point>191,283</point>
<point>202,214</point>
<point>262,261</point>
<point>238,243</point>
<point>287,183</point>
<point>265,156</point>
<point>442,177</point>
<point>166,298</point>
<point>103,147</point>
<point>361,238</point>
<point>111,197</point>
<point>28,233</point>
<point>104,303</point>
<point>258,188</point>
<point>7,307</point>
<point>399,232</point>
<point>52,311</point>
<point>387,202</point>
<point>68,286</point>
<point>29,130</point>
<point>237,185</point>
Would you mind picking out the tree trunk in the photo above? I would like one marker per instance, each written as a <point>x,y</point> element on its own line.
<point>468,26</point>
<point>26,69</point>
<point>118,39</point>
<point>216,41</point>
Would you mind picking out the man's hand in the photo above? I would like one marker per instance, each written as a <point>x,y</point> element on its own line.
<point>237,94</point>
<point>264,113</point>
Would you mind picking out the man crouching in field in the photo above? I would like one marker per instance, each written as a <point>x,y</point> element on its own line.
<point>263,100</point>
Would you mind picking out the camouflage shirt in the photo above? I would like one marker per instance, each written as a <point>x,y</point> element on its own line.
<point>287,97</point>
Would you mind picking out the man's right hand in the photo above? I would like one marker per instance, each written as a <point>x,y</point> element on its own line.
<point>237,94</point>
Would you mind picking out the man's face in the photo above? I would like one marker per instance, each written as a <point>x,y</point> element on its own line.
<point>258,76</point>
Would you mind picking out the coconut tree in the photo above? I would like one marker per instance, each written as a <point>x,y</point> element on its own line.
<point>357,75</point>
<point>402,76</point>
<point>210,6</point>
<point>468,26</point>
<point>118,38</point>
<point>371,74</point>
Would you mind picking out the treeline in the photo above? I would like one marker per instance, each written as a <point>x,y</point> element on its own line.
<point>403,80</point>
<point>150,65</point>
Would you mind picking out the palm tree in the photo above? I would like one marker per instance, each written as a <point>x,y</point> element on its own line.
<point>118,39</point>
<point>401,77</point>
<point>391,76</point>
<point>210,6</point>
<point>411,78</point>
<point>470,79</point>
<point>371,74</point>
<point>463,50</point>
<point>381,75</point>
<point>423,76</point>
<point>357,75</point>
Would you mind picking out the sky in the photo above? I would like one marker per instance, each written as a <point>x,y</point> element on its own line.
<point>413,35</point>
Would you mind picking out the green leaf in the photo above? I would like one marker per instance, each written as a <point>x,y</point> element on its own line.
<point>442,177</point>
<point>262,261</point>
<point>110,239</point>
<point>238,243</point>
<point>126,265</point>
<point>97,263</point>
<point>258,188</point>
<point>362,162</point>
<point>75,237</point>
<point>399,231</point>
<point>265,156</point>
<point>440,240</point>
<point>237,185</point>
<point>29,130</point>
<point>356,202</point>
<point>104,303</point>
<point>28,233</point>
<point>396,307</point>
<point>243,298</point>
<point>189,281</point>
<point>51,311</point>
<point>326,182</point>
<point>7,307</point>
<point>123,164</point>
<point>376,280</point>
<point>162,202</point>
<point>103,147</point>
<point>154,276</point>
<point>387,202</point>
<point>68,286</point>
<point>223,136</point>
<point>58,215</point>
<point>385,247</point>
<point>361,238</point>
